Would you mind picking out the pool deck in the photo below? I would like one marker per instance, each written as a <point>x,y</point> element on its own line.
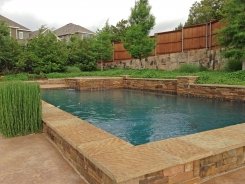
<point>104,158</point>
<point>21,162</point>
<point>33,159</point>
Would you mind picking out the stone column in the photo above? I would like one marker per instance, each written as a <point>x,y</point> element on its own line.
<point>183,84</point>
<point>243,65</point>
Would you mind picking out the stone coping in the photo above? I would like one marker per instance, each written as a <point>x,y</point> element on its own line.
<point>151,79</point>
<point>95,77</point>
<point>220,86</point>
<point>125,163</point>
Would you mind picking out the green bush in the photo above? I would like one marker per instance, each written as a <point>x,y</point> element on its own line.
<point>43,54</point>
<point>232,65</point>
<point>189,68</point>
<point>72,69</point>
<point>20,108</point>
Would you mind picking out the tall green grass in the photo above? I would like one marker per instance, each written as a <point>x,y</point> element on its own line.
<point>20,108</point>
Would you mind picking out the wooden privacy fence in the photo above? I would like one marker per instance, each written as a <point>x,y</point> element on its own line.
<point>189,38</point>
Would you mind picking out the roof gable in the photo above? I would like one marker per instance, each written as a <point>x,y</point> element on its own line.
<point>12,23</point>
<point>71,29</point>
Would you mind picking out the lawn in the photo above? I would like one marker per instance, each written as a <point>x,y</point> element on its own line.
<point>205,77</point>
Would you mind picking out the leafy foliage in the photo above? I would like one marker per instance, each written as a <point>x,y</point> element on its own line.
<point>81,54</point>
<point>72,69</point>
<point>179,27</point>
<point>205,11</point>
<point>44,54</point>
<point>137,43</point>
<point>20,108</point>
<point>102,44</point>
<point>9,50</point>
<point>232,36</point>
<point>118,31</point>
<point>189,68</point>
<point>136,40</point>
<point>140,15</point>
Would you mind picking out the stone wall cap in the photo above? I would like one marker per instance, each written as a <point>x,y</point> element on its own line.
<point>152,79</point>
<point>220,86</point>
<point>187,77</point>
<point>99,77</point>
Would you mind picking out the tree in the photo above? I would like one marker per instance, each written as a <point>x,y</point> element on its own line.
<point>179,27</point>
<point>44,54</point>
<point>102,44</point>
<point>118,31</point>
<point>137,41</point>
<point>140,15</point>
<point>9,50</point>
<point>205,11</point>
<point>80,54</point>
<point>232,36</point>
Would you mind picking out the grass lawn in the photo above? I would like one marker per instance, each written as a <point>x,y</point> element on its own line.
<point>205,77</point>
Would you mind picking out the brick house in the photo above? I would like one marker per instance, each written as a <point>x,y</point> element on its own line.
<point>69,30</point>
<point>17,31</point>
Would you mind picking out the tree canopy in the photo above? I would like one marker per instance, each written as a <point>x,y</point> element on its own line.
<point>44,54</point>
<point>137,41</point>
<point>80,54</point>
<point>9,50</point>
<point>102,44</point>
<point>232,36</point>
<point>205,11</point>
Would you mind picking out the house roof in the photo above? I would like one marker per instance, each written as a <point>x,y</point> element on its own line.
<point>34,34</point>
<point>12,23</point>
<point>44,31</point>
<point>71,29</point>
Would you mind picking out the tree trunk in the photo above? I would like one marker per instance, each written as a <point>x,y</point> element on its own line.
<point>243,65</point>
<point>101,66</point>
<point>141,64</point>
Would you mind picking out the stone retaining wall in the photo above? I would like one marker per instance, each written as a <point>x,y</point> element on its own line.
<point>202,57</point>
<point>159,85</point>
<point>95,83</point>
<point>185,85</point>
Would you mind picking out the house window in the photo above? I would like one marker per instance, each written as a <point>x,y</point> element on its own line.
<point>21,35</point>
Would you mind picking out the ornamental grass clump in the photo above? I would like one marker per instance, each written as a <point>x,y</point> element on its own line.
<point>20,108</point>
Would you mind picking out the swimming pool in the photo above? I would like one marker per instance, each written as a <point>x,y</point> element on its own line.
<point>140,117</point>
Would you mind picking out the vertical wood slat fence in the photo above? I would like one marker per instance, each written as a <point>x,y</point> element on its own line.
<point>189,38</point>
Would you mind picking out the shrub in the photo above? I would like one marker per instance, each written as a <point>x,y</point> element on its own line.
<point>233,65</point>
<point>43,54</point>
<point>189,68</point>
<point>40,76</point>
<point>20,108</point>
<point>81,54</point>
<point>72,69</point>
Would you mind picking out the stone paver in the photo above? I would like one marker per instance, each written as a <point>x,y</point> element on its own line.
<point>33,159</point>
<point>236,177</point>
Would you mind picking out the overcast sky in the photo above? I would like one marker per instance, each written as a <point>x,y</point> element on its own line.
<point>91,14</point>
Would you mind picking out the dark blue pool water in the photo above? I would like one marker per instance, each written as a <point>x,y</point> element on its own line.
<point>140,117</point>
